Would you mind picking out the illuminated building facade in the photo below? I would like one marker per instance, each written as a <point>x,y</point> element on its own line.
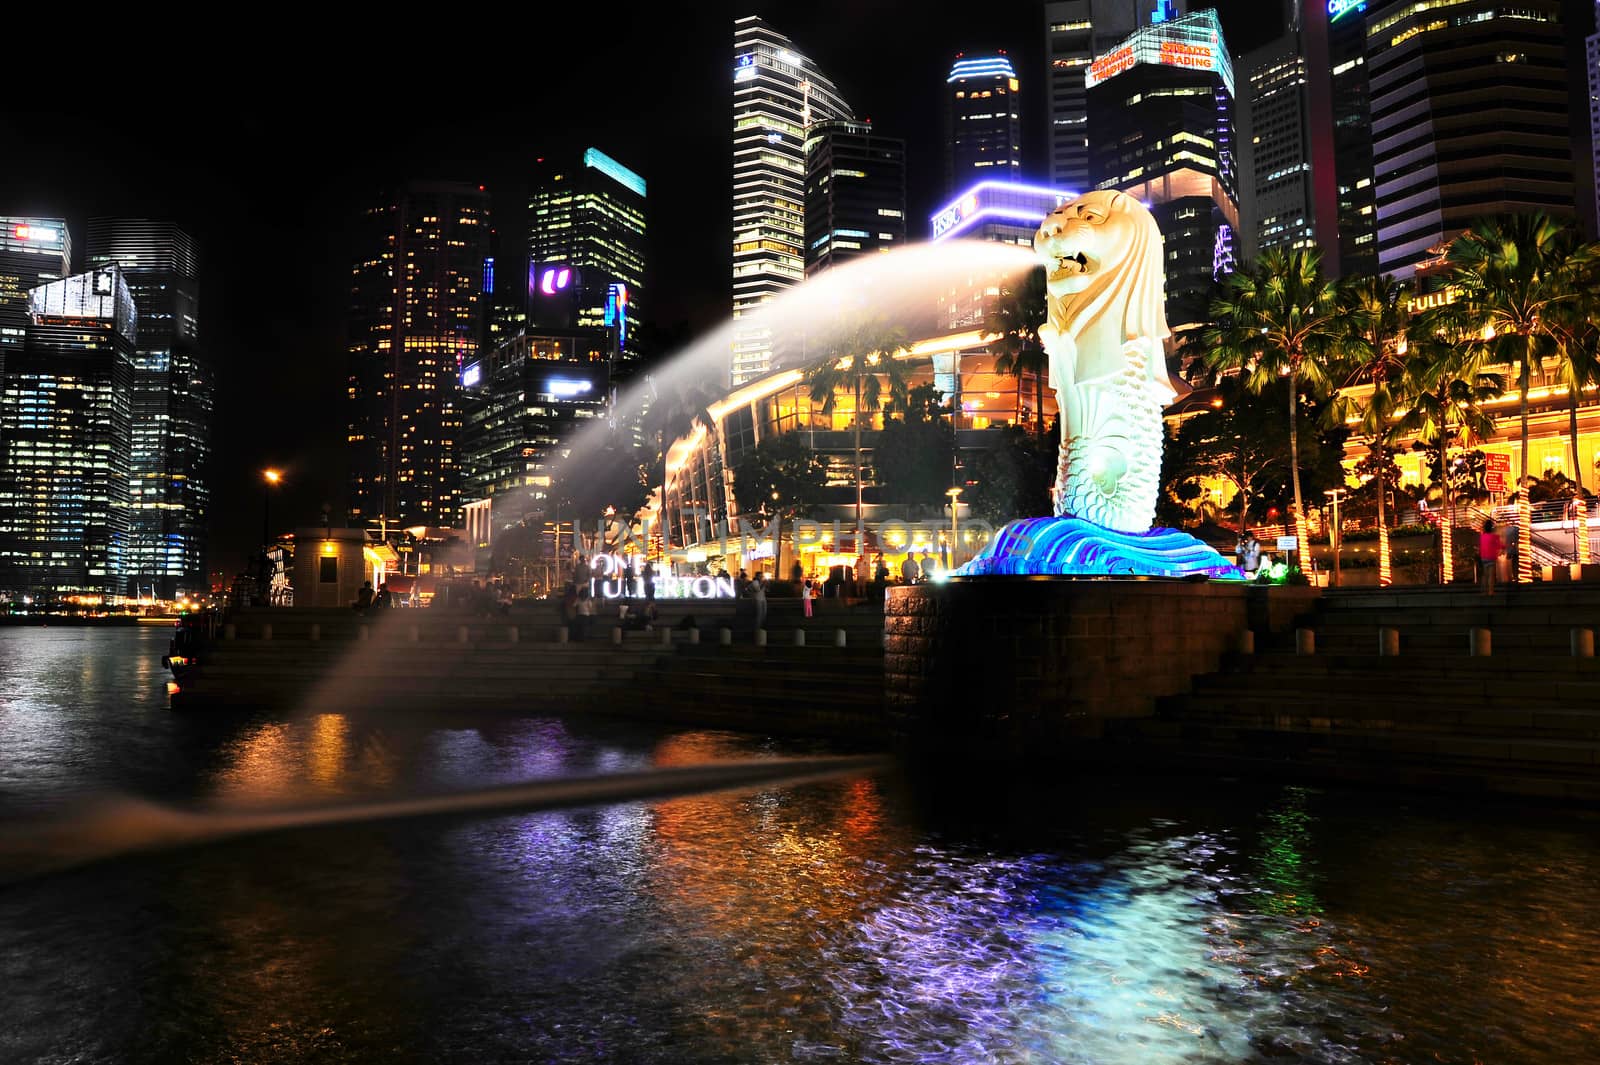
<point>33,252</point>
<point>855,193</point>
<point>1469,118</point>
<point>778,94</point>
<point>586,249</point>
<point>173,396</point>
<point>1077,32</point>
<point>1288,195</point>
<point>522,403</point>
<point>983,122</point>
<point>416,304</point>
<point>1004,211</point>
<point>65,415</point>
<point>1161,129</point>
<point>1351,103</point>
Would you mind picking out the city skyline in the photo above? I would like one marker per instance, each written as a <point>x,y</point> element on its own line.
<point>272,227</point>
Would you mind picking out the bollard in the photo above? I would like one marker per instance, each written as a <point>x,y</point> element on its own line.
<point>513,634</point>
<point>761,637</point>
<point>462,634</point>
<point>1247,642</point>
<point>1388,642</point>
<point>1582,643</point>
<point>266,630</point>
<point>799,637</point>
<point>1305,642</point>
<point>1479,644</point>
<point>616,635</point>
<point>838,638</point>
<point>229,632</point>
<point>562,635</point>
<point>725,637</point>
<point>316,633</point>
<point>363,633</point>
<point>666,637</point>
<point>694,635</point>
<point>412,634</point>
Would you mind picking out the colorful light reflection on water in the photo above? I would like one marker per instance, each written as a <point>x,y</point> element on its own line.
<point>875,920</point>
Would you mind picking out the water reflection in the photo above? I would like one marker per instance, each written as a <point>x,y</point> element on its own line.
<point>863,920</point>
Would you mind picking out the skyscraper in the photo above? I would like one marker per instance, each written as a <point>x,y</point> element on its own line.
<point>33,251</point>
<point>416,303</point>
<point>173,394</point>
<point>1351,105</point>
<point>855,193</point>
<point>983,122</point>
<point>1161,129</point>
<point>588,221</point>
<point>1592,51</point>
<point>64,442</point>
<point>1077,32</point>
<point>1288,196</point>
<point>778,94</point>
<point>1469,118</point>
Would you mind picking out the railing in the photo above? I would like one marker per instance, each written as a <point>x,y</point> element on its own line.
<point>1547,517</point>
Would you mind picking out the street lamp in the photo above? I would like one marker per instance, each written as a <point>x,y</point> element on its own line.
<point>1336,535</point>
<point>955,540</point>
<point>270,480</point>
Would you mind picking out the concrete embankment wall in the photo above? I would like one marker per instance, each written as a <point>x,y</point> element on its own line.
<point>1016,666</point>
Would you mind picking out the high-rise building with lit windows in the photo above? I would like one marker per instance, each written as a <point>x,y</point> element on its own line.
<point>855,193</point>
<point>1351,105</point>
<point>778,95</point>
<point>983,121</point>
<point>173,395</point>
<point>1161,129</point>
<point>1008,212</point>
<point>1469,118</point>
<point>416,304</point>
<point>1077,32</point>
<point>65,413</point>
<point>33,252</point>
<point>586,248</point>
<point>1288,196</point>
<point>1592,53</point>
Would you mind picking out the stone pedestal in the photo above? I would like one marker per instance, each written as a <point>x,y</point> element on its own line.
<point>1021,666</point>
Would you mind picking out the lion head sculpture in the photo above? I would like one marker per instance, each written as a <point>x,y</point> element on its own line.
<point>1103,265</point>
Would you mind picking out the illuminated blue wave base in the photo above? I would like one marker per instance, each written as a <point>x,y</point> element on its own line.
<point>1072,547</point>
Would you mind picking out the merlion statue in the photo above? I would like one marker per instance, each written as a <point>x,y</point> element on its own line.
<point>1103,270</point>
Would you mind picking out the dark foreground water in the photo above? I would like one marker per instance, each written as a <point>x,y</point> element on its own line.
<point>888,919</point>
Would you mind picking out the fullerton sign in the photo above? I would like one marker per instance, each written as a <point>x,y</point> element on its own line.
<point>613,579</point>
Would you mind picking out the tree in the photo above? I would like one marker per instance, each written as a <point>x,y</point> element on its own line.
<point>1517,274</point>
<point>1275,318</point>
<point>1016,316</point>
<point>1374,388</point>
<point>610,477</point>
<point>861,358</point>
<point>779,476</point>
<point>1445,356</point>
<point>1011,477</point>
<point>1576,331</point>
<point>915,452</point>
<point>674,405</point>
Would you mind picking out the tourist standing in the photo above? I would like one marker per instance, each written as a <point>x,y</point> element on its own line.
<point>805,595</point>
<point>1249,553</point>
<point>909,570</point>
<point>1490,549</point>
<point>758,592</point>
<point>585,614</point>
<point>649,582</point>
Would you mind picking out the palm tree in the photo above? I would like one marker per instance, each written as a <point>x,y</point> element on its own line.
<point>1374,388</point>
<point>1277,317</point>
<point>1518,275</point>
<point>1016,317</point>
<point>1577,342</point>
<point>860,357</point>
<point>1448,388</point>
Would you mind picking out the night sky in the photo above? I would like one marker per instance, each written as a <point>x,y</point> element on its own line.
<point>265,142</point>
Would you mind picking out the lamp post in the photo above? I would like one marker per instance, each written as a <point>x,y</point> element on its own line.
<point>269,480</point>
<point>955,538</point>
<point>1336,534</point>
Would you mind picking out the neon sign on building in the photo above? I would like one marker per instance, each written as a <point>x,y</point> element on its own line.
<point>617,577</point>
<point>1193,42</point>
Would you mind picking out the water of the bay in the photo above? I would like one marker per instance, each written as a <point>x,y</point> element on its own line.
<point>887,919</point>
